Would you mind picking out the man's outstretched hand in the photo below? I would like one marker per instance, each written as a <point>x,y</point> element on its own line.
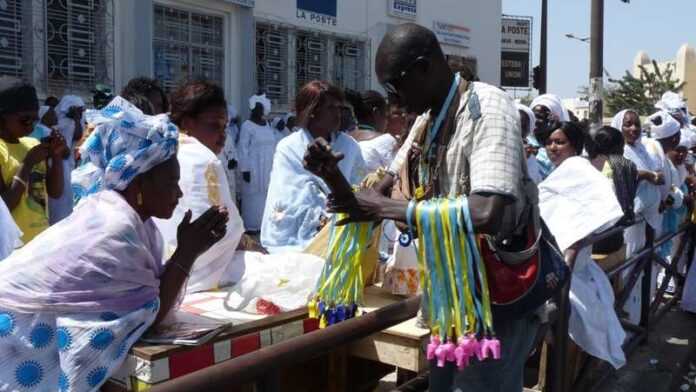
<point>322,161</point>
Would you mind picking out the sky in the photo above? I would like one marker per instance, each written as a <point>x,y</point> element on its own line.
<point>659,27</point>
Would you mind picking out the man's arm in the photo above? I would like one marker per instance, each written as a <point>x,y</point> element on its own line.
<point>486,211</point>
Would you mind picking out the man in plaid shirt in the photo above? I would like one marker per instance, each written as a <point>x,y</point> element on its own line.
<point>478,153</point>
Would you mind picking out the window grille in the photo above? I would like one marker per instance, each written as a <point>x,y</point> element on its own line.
<point>11,62</point>
<point>310,57</point>
<point>187,45</point>
<point>79,45</point>
<point>349,64</point>
<point>272,62</point>
<point>61,46</point>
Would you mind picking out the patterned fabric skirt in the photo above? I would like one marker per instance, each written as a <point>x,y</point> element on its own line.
<point>67,352</point>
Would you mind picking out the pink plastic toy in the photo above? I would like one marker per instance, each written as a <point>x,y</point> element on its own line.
<point>432,346</point>
<point>462,358</point>
<point>445,352</point>
<point>470,345</point>
<point>490,348</point>
<point>450,347</point>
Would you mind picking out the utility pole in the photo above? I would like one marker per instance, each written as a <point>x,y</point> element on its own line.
<point>596,63</point>
<point>542,47</point>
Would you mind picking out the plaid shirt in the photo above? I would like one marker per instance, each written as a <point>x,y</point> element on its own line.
<point>485,154</point>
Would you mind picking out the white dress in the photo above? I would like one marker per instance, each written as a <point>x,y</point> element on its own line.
<point>204,184</point>
<point>77,297</point>
<point>378,152</point>
<point>257,145</point>
<point>296,202</point>
<point>228,157</point>
<point>646,206</point>
<point>576,200</point>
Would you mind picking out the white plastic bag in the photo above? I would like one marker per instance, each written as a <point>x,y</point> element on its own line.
<point>285,280</point>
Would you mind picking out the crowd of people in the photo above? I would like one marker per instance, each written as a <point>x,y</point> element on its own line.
<point>111,214</point>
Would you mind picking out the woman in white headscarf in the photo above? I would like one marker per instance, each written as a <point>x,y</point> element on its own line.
<point>257,144</point>
<point>77,297</point>
<point>576,200</point>
<point>647,201</point>
<point>69,112</point>
<point>527,122</point>
<point>548,110</point>
<point>278,124</point>
<point>229,155</point>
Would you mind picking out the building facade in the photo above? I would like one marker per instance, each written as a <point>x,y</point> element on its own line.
<point>69,46</point>
<point>247,46</point>
<point>580,107</point>
<point>337,40</point>
<point>683,68</point>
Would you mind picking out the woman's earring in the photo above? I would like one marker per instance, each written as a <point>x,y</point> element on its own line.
<point>139,199</point>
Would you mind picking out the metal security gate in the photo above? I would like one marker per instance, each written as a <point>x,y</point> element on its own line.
<point>272,62</point>
<point>187,45</point>
<point>311,58</point>
<point>349,64</point>
<point>62,46</point>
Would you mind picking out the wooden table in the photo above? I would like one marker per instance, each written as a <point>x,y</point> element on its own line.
<point>147,365</point>
<point>401,346</point>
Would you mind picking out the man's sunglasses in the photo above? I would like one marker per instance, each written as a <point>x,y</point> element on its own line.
<point>390,85</point>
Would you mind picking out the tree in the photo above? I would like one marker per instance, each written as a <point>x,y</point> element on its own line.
<point>641,93</point>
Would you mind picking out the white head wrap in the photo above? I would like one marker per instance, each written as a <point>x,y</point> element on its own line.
<point>66,103</point>
<point>275,121</point>
<point>663,125</point>
<point>124,144</point>
<point>687,138</point>
<point>672,103</point>
<point>530,116</point>
<point>554,104</point>
<point>231,113</point>
<point>618,120</point>
<point>265,102</point>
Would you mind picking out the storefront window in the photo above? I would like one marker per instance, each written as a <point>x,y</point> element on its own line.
<point>287,58</point>
<point>311,58</point>
<point>349,64</point>
<point>187,45</point>
<point>62,46</point>
<point>11,38</point>
<point>272,62</point>
<point>79,44</point>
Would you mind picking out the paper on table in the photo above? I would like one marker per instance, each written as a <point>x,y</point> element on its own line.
<point>186,329</point>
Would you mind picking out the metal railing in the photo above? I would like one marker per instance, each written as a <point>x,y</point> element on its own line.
<point>595,371</point>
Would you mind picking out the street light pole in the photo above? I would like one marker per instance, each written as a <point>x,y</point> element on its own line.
<point>542,47</point>
<point>596,62</point>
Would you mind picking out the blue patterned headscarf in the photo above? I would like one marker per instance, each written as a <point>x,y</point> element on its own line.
<point>124,144</point>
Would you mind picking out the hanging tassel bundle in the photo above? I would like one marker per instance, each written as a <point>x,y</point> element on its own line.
<point>339,289</point>
<point>454,282</point>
